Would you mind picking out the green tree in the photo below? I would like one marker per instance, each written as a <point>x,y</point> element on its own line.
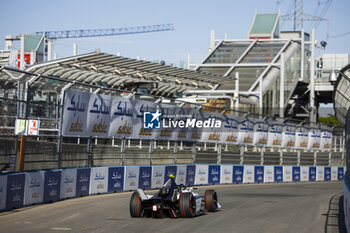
<point>330,120</point>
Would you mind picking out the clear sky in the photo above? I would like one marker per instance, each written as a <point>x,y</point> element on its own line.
<point>193,21</point>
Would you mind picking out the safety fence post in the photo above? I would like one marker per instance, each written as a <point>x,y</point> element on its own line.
<point>175,153</point>
<point>193,152</point>
<point>241,152</point>
<point>281,156</point>
<point>315,158</point>
<point>298,157</point>
<point>150,150</point>
<point>262,151</point>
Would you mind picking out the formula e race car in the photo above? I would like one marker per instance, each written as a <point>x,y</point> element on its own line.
<point>173,201</point>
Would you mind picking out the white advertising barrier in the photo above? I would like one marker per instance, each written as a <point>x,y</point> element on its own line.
<point>304,173</point>
<point>181,174</point>
<point>157,176</point>
<point>68,183</point>
<point>141,107</point>
<point>334,173</point>
<point>75,113</point>
<point>326,140</point>
<point>201,176</point>
<point>314,139</point>
<point>98,116</point>
<point>248,174</point>
<point>320,173</point>
<point>245,132</point>
<point>226,174</point>
<point>301,137</point>
<point>168,114</point>
<point>34,188</point>
<point>269,175</point>
<point>287,174</point>
<point>288,136</point>
<point>261,133</point>
<point>3,189</point>
<point>131,178</point>
<point>98,180</point>
<point>121,118</point>
<point>275,134</point>
<point>229,132</point>
<point>212,134</point>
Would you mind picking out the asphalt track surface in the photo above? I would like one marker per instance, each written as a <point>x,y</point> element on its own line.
<point>288,207</point>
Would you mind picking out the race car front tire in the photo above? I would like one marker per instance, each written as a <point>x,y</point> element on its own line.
<point>211,200</point>
<point>186,204</point>
<point>136,208</point>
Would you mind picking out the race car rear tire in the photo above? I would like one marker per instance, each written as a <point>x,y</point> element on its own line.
<point>136,207</point>
<point>211,200</point>
<point>186,204</point>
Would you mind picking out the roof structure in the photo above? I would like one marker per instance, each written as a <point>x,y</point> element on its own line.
<point>119,72</point>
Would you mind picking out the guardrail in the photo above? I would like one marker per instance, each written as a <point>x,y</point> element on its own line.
<point>28,188</point>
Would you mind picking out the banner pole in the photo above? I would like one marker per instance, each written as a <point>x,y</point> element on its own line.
<point>21,154</point>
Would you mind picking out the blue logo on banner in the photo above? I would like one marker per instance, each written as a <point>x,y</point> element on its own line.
<point>151,120</point>
<point>15,191</point>
<point>327,173</point>
<point>340,173</point>
<point>52,186</point>
<point>312,173</point>
<point>237,174</point>
<point>83,182</point>
<point>115,179</point>
<point>278,173</point>
<point>259,174</point>
<point>191,171</point>
<point>296,174</point>
<point>145,177</point>
<point>214,174</point>
<point>169,170</point>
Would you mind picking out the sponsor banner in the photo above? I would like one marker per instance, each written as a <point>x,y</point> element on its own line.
<point>214,174</point>
<point>269,174</point>
<point>278,173</point>
<point>52,186</point>
<point>190,174</point>
<point>287,174</point>
<point>181,114</point>
<point>301,137</point>
<point>201,174</point>
<point>83,182</point>
<point>145,177</point>
<point>288,136</point>
<point>296,173</point>
<point>98,116</point>
<point>157,176</point>
<point>68,183</point>
<point>212,134</point>
<point>327,173</point>
<point>334,173</point>
<point>259,174</point>
<point>34,187</point>
<point>275,134</point>
<point>261,133</point>
<point>15,191</point>
<point>238,171</point>
<point>195,133</point>
<point>139,132</point>
<point>131,178</point>
<point>121,118</point>
<point>3,188</point>
<point>340,173</point>
<point>304,173</point>
<point>245,132</point>
<point>75,113</point>
<point>312,173</point>
<point>320,174</point>
<point>326,140</point>
<point>168,114</point>
<point>226,174</point>
<point>248,174</point>
<point>169,170</point>
<point>115,179</point>
<point>99,180</point>
<point>181,174</point>
<point>314,139</point>
<point>229,132</point>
